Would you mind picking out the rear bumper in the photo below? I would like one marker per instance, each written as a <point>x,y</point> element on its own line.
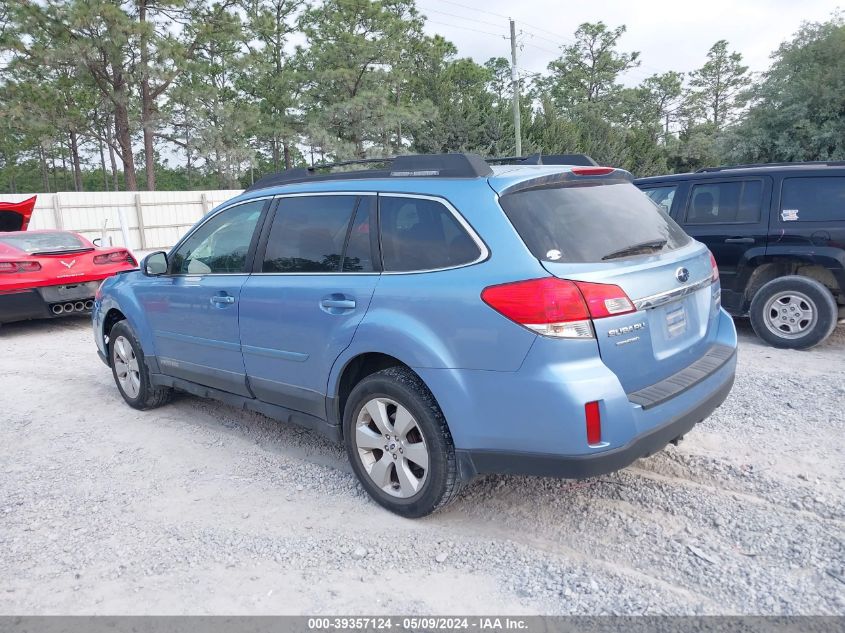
<point>580,466</point>
<point>21,306</point>
<point>532,421</point>
<point>36,303</point>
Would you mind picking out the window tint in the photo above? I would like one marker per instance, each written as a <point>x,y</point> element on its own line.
<point>725,202</point>
<point>221,244</point>
<point>589,223</point>
<point>662,196</point>
<point>813,199</point>
<point>419,234</point>
<point>308,234</point>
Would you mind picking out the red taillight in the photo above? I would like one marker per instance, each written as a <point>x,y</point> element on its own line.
<point>714,267</point>
<point>537,301</point>
<point>592,415</point>
<point>592,171</point>
<point>112,258</point>
<point>19,267</point>
<point>605,300</point>
<point>557,307</point>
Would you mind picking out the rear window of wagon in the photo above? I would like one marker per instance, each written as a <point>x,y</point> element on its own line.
<point>589,222</point>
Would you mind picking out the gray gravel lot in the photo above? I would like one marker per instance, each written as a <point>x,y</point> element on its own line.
<point>200,508</point>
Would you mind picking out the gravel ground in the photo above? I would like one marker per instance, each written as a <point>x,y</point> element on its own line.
<point>203,509</point>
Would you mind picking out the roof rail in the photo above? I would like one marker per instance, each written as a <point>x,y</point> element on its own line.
<point>411,166</point>
<point>798,163</point>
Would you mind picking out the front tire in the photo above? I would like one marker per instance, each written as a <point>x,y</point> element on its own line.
<point>130,372</point>
<point>399,444</point>
<point>793,312</point>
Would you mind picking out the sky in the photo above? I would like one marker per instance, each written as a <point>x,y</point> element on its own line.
<point>670,35</point>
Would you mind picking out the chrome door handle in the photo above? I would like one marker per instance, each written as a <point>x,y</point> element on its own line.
<point>224,299</point>
<point>344,304</point>
<point>739,240</point>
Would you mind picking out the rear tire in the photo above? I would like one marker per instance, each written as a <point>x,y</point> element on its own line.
<point>399,444</point>
<point>793,312</point>
<point>130,371</point>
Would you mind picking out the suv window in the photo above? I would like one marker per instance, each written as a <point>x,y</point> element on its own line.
<point>221,244</point>
<point>662,196</point>
<point>590,222</point>
<point>422,234</point>
<point>309,234</point>
<point>735,202</point>
<point>813,199</point>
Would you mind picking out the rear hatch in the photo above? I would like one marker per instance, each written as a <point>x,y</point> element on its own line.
<point>14,216</point>
<point>601,229</point>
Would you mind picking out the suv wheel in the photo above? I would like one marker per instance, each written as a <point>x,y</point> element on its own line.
<point>399,444</point>
<point>793,312</point>
<point>130,371</point>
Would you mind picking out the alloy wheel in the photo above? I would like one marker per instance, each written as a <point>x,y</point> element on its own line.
<point>126,367</point>
<point>391,447</point>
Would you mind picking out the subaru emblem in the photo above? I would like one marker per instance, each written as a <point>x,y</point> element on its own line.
<point>682,274</point>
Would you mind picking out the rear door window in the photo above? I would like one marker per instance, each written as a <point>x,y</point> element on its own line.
<point>734,202</point>
<point>591,222</point>
<point>813,200</point>
<point>422,234</point>
<point>309,235</point>
<point>662,196</point>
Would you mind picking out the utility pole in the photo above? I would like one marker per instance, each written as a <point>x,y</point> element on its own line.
<point>517,123</point>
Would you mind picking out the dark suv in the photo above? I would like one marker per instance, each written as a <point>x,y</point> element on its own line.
<point>778,234</point>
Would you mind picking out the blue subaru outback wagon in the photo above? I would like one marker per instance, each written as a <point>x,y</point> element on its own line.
<point>441,317</point>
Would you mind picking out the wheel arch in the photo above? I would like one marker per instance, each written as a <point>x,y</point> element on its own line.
<point>350,372</point>
<point>782,267</point>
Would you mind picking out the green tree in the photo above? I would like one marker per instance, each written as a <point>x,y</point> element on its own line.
<point>357,65</point>
<point>717,85</point>
<point>273,80</point>
<point>587,71</point>
<point>798,109</point>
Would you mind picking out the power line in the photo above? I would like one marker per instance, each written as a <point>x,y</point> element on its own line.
<point>467,28</point>
<point>461,17</point>
<point>560,42</point>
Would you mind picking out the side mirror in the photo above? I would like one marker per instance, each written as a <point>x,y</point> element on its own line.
<point>154,264</point>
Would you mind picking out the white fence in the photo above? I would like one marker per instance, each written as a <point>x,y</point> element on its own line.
<point>155,219</point>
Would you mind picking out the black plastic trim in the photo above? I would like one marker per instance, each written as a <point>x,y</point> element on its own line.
<point>276,412</point>
<point>658,393</point>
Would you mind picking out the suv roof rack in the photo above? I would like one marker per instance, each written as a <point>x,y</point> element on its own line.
<point>812,163</point>
<point>415,166</point>
<point>412,165</point>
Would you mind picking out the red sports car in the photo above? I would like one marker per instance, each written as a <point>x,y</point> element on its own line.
<point>52,273</point>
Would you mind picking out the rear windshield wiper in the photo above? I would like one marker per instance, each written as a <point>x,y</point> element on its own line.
<point>637,249</point>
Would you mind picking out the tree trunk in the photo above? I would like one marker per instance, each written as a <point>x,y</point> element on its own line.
<point>112,160</point>
<point>64,167</point>
<point>147,102</point>
<point>286,148</point>
<point>55,180</point>
<point>45,174</point>
<point>274,150</point>
<point>75,162</point>
<point>103,163</point>
<point>123,135</point>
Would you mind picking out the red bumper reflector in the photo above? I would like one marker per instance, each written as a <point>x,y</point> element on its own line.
<point>591,412</point>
